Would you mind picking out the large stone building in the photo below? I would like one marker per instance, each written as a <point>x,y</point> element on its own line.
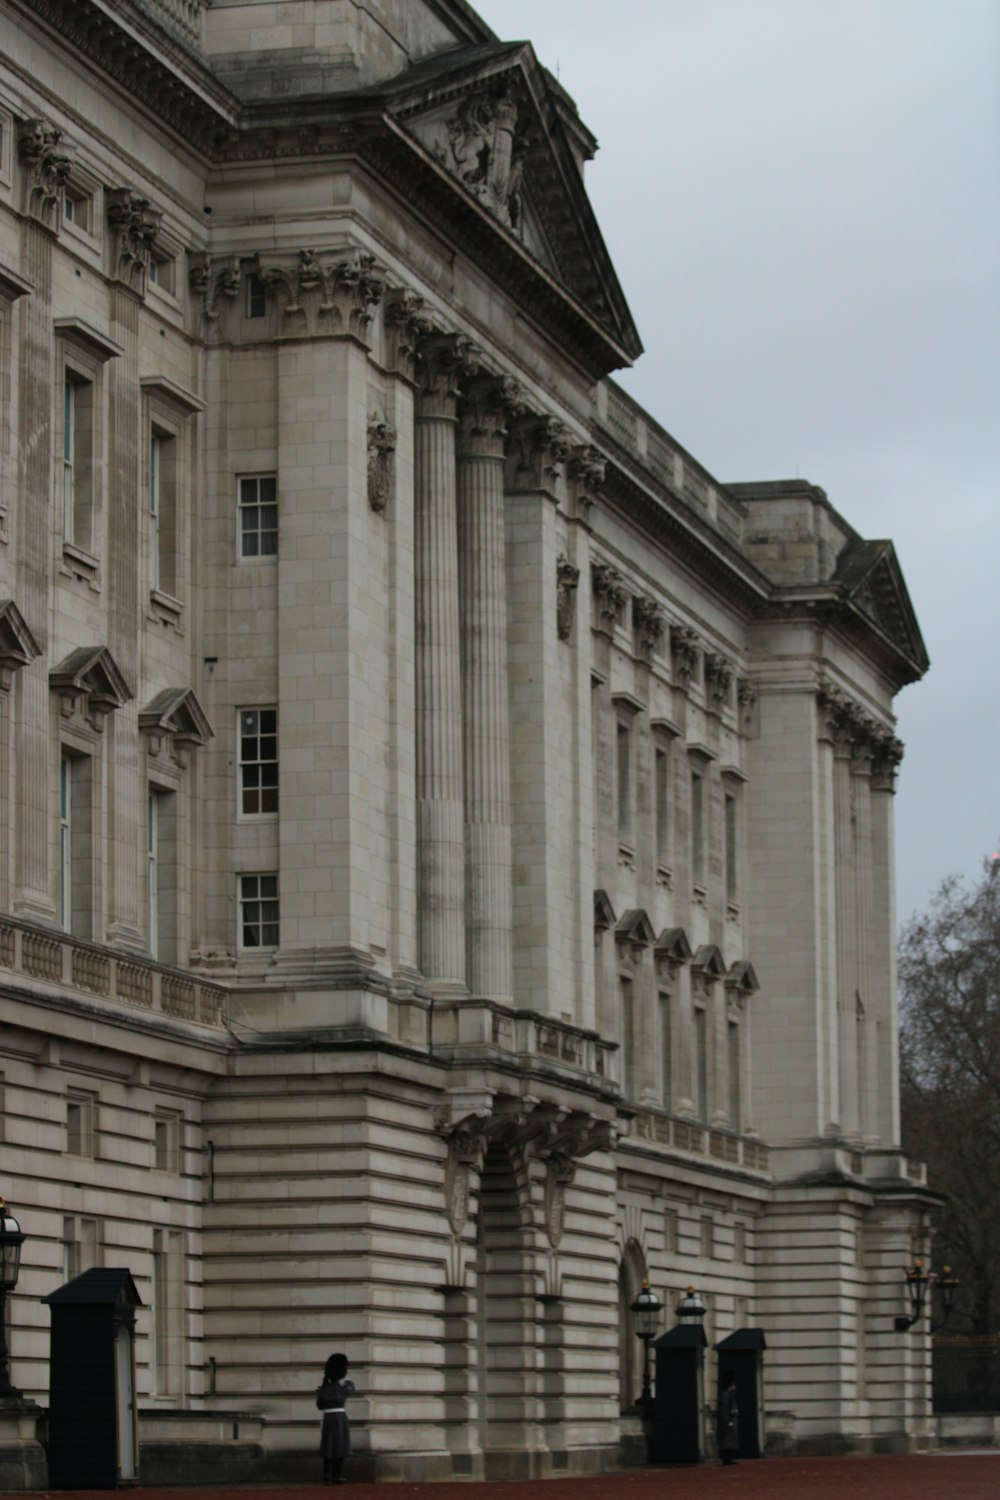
<point>447,865</point>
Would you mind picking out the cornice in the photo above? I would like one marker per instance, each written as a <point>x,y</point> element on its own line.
<point>826,607</point>
<point>124,44</point>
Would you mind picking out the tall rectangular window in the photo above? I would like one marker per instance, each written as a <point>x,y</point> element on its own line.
<point>76,850</point>
<point>697,827</point>
<point>81,1245</point>
<point>167,1140</point>
<point>168,1312</point>
<point>256,296</point>
<point>661,791</point>
<point>735,1101</point>
<point>732,850</point>
<point>707,1238</point>
<point>163,518</point>
<point>666,1053</point>
<point>626,991</point>
<point>623,750</point>
<point>77,459</point>
<point>162,874</point>
<point>81,1123</point>
<point>258,515</point>
<point>701,1062</point>
<point>258,911</point>
<point>258,762</point>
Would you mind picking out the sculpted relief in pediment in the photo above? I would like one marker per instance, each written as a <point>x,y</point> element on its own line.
<point>478,140</point>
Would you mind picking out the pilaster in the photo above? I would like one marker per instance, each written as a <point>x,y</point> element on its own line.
<point>443,361</point>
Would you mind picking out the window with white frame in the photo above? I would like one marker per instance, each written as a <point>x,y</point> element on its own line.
<point>700,1060</point>
<point>77,460</point>
<point>256,296</point>
<point>162,495</point>
<point>257,503</point>
<point>259,912</point>
<point>258,762</point>
<point>666,1051</point>
<point>167,1140</point>
<point>161,874</point>
<point>735,1092</point>
<point>76,851</point>
<point>661,799</point>
<point>627,995</point>
<point>81,1123</point>
<point>697,827</point>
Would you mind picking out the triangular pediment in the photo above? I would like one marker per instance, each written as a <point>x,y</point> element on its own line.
<point>18,646</point>
<point>874,585</point>
<point>176,711</point>
<point>92,670</point>
<point>741,978</point>
<point>604,912</point>
<point>709,962</point>
<point>504,136</point>
<point>673,946</point>
<point>635,927</point>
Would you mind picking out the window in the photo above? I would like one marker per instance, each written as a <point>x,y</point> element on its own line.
<point>76,893</point>
<point>167,1363</point>
<point>258,513</point>
<point>732,860</point>
<point>628,1036</point>
<point>256,296</point>
<point>3,1107</point>
<point>623,744</point>
<point>166,1140</point>
<point>735,1102</point>
<point>707,1238</point>
<point>78,207</point>
<point>77,460</point>
<point>81,1245</point>
<point>670,1231</point>
<point>161,270</point>
<point>258,911</point>
<point>258,762</point>
<point>666,1053</point>
<point>162,511</point>
<point>161,874</point>
<point>701,1063</point>
<point>697,828</point>
<point>661,793</point>
<point>81,1123</point>
<point>739,1242</point>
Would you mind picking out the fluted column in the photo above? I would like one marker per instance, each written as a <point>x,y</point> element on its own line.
<point>486,739</point>
<point>864,896</point>
<point>846,929</point>
<point>887,756</point>
<point>442,361</point>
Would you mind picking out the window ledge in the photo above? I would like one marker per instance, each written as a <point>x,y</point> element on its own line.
<point>664,875</point>
<point>82,564</point>
<point>626,856</point>
<point>733,911</point>
<point>165,608</point>
<point>699,893</point>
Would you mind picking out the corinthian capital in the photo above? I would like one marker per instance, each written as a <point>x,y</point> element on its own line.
<point>323,297</point>
<point>217,284</point>
<point>586,469</point>
<point>135,223</point>
<point>405,323</point>
<point>444,363</point>
<point>47,165</point>
<point>536,453</point>
<point>486,406</point>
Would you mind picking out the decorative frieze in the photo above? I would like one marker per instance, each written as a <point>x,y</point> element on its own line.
<point>47,162</point>
<point>567,582</point>
<point>381,451</point>
<point>610,596</point>
<point>685,650</point>
<point>649,621</point>
<point>321,296</point>
<point>135,224</point>
<point>216,282</point>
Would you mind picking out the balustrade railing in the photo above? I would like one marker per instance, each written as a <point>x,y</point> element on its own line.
<point>662,1129</point>
<point>59,958</point>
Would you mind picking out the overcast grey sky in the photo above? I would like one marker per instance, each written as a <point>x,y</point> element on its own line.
<point>802,201</point>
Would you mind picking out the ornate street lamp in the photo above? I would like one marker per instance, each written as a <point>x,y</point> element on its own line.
<point>11,1240</point>
<point>690,1309</point>
<point>918,1282</point>
<point>646,1311</point>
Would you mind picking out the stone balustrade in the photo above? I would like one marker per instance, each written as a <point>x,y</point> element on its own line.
<point>661,1129</point>
<point>40,953</point>
<point>463,1025</point>
<point>654,448</point>
<point>183,17</point>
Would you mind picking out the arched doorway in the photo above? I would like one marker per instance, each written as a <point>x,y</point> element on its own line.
<point>631,1275</point>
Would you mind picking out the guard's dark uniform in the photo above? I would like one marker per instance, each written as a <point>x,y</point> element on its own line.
<point>335,1435</point>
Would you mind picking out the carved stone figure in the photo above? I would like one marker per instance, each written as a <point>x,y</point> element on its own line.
<point>684,648</point>
<point>567,581</point>
<point>718,678</point>
<point>381,448</point>
<point>610,595</point>
<point>483,151</point>
<point>649,621</point>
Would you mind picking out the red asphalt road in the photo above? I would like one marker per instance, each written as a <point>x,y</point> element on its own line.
<point>971,1476</point>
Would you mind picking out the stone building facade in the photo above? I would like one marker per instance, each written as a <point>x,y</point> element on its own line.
<point>447,868</point>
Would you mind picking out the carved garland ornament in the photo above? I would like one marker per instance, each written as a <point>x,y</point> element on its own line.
<point>381,449</point>
<point>217,283</point>
<point>322,296</point>
<point>567,582</point>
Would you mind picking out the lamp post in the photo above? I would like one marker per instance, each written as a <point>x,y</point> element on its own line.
<point>690,1309</point>
<point>11,1240</point>
<point>918,1282</point>
<point>646,1311</point>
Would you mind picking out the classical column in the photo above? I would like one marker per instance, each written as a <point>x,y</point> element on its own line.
<point>443,359</point>
<point>45,166</point>
<point>864,897</point>
<point>888,753</point>
<point>132,226</point>
<point>482,431</point>
<point>846,919</point>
